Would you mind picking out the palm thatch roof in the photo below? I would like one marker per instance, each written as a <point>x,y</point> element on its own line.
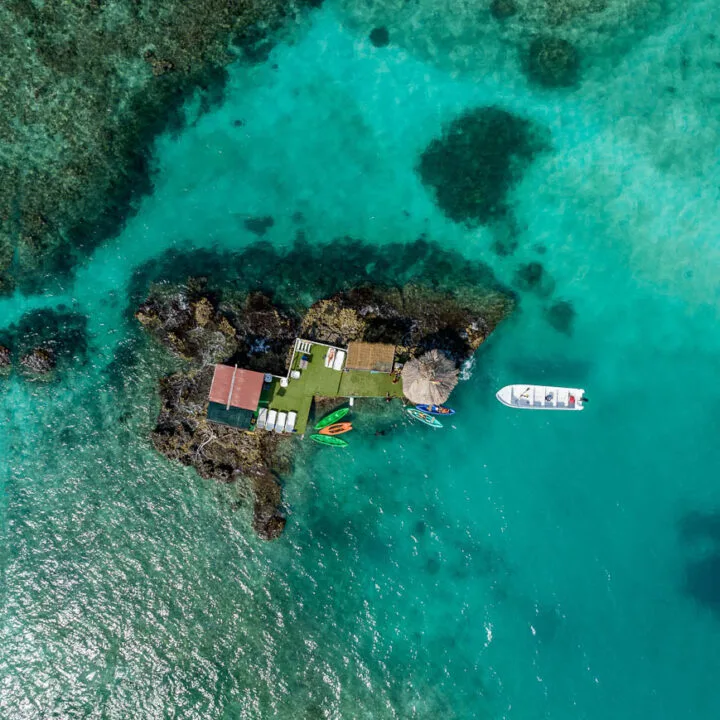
<point>430,378</point>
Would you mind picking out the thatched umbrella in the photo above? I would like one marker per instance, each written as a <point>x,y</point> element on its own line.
<point>429,379</point>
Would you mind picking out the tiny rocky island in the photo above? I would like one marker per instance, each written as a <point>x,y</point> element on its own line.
<point>225,340</point>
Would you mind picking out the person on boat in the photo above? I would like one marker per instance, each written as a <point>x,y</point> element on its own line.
<point>548,397</point>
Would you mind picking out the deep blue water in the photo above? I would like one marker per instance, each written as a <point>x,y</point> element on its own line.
<point>514,565</point>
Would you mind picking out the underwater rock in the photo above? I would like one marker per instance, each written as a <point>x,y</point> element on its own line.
<point>503,9</point>
<point>552,62</point>
<point>476,162</point>
<point>5,359</point>
<point>561,315</point>
<point>39,361</point>
<point>48,339</point>
<point>259,225</point>
<point>380,37</point>
<point>532,277</point>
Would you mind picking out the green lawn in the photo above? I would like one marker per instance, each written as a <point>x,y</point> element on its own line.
<point>364,384</point>
<point>317,380</point>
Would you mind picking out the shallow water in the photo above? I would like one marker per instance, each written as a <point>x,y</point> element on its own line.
<point>513,565</point>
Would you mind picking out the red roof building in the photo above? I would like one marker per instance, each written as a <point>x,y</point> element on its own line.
<point>235,387</point>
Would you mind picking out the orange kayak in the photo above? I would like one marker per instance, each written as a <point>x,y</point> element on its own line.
<point>336,429</point>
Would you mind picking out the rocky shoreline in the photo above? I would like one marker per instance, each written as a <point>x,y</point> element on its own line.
<point>202,326</point>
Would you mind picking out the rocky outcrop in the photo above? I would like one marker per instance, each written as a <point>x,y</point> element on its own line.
<point>5,360</point>
<point>183,433</point>
<point>39,361</point>
<point>202,327</point>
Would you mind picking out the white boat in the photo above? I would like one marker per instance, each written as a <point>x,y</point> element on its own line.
<point>542,397</point>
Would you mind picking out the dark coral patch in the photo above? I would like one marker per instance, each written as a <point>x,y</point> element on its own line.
<point>475,163</point>
<point>259,225</point>
<point>552,62</point>
<point>503,9</point>
<point>561,315</point>
<point>380,37</point>
<point>319,270</point>
<point>529,276</point>
<point>61,334</point>
<point>700,532</point>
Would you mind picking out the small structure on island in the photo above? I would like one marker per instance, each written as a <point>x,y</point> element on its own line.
<point>372,357</point>
<point>430,378</point>
<point>234,396</point>
<point>254,401</point>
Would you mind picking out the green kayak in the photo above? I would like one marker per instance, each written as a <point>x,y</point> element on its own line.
<point>329,440</point>
<point>333,417</point>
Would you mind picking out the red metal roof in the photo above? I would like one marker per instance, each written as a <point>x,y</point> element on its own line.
<point>245,386</point>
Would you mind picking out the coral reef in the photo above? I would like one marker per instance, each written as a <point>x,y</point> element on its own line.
<point>532,277</point>
<point>86,87</point>
<point>560,12</point>
<point>552,62</point>
<point>478,159</point>
<point>474,37</point>
<point>503,9</point>
<point>561,316</point>
<point>201,326</point>
<point>44,340</point>
<point>5,360</point>
<point>39,361</point>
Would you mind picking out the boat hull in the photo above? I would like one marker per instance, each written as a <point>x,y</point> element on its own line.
<point>541,397</point>
<point>329,440</point>
<point>336,429</point>
<point>333,417</point>
<point>423,417</point>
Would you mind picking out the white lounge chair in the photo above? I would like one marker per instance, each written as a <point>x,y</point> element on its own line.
<point>339,360</point>
<point>280,424</point>
<point>290,424</point>
<point>270,424</point>
<point>262,419</point>
<point>329,357</point>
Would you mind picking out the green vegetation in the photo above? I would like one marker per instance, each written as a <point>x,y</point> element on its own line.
<point>318,381</point>
<point>365,384</point>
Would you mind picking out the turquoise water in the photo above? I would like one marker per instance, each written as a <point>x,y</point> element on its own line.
<point>514,565</point>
